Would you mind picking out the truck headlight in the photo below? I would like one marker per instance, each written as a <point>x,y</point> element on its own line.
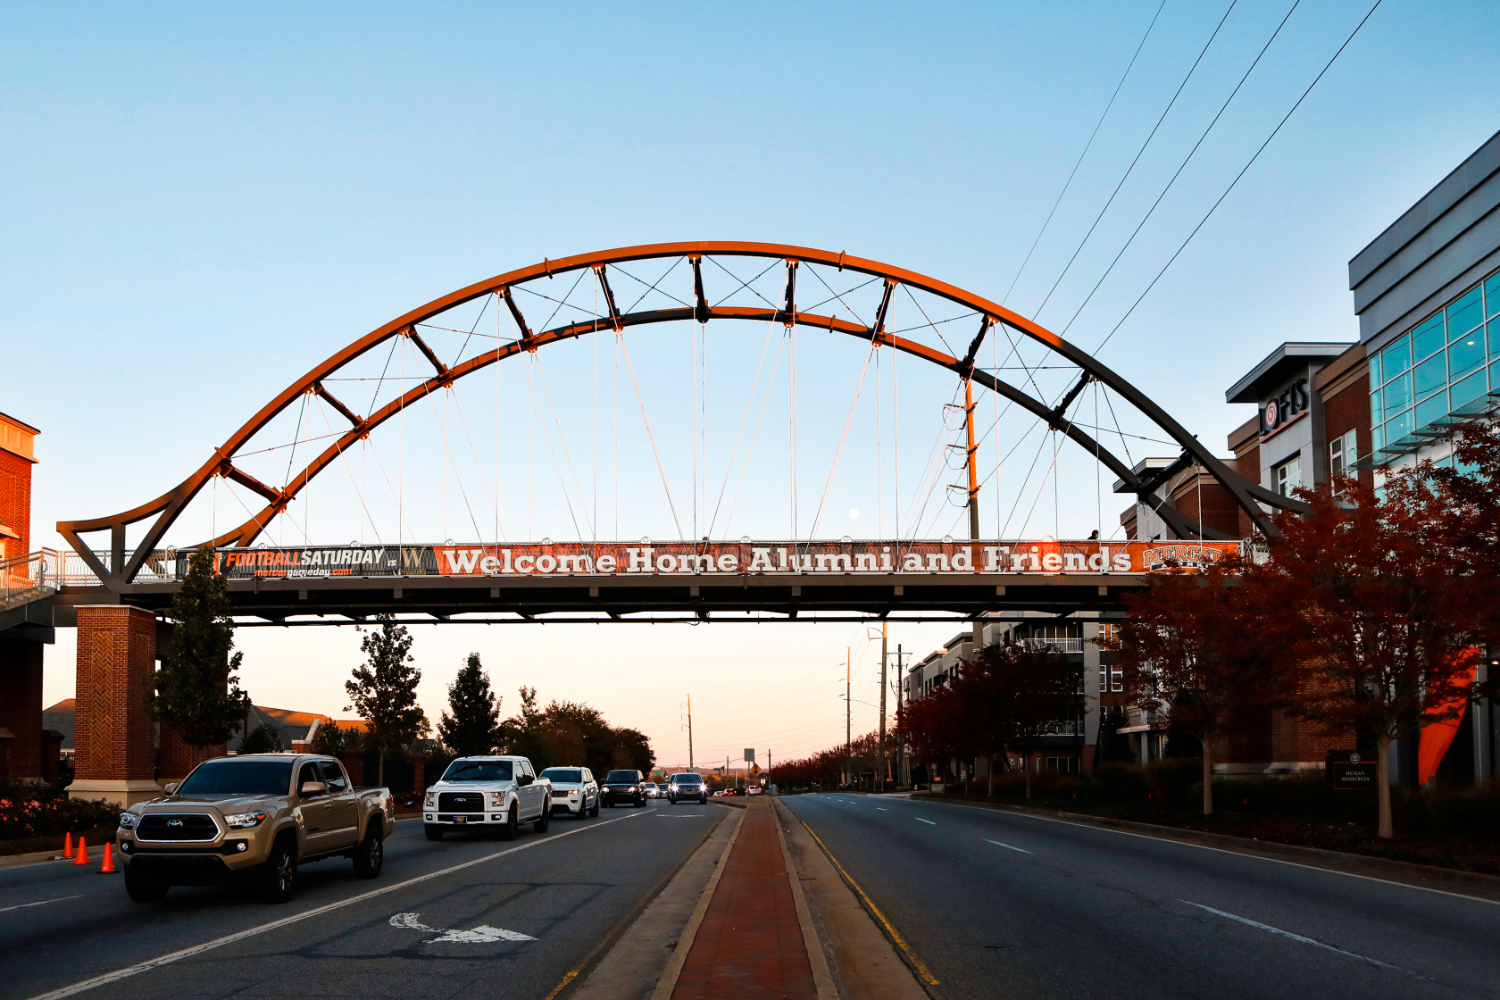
<point>241,820</point>
<point>127,821</point>
<point>431,802</point>
<point>497,799</point>
<point>634,789</point>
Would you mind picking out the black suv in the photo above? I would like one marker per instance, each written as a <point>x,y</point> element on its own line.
<point>623,786</point>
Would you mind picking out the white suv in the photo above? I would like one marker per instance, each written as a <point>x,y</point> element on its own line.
<point>499,793</point>
<point>574,791</point>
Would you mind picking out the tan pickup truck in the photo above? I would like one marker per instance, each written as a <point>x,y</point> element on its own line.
<point>253,819</point>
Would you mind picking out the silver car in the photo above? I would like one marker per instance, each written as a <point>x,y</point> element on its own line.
<point>687,786</point>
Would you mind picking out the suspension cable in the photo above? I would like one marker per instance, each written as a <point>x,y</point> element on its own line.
<point>641,402</point>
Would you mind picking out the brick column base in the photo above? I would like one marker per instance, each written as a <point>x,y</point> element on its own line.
<point>115,755</point>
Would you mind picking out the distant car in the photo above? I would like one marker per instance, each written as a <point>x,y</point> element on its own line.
<point>624,786</point>
<point>687,785</point>
<point>754,790</point>
<point>653,790</point>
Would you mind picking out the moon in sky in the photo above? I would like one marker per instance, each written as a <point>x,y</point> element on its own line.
<point>854,513</point>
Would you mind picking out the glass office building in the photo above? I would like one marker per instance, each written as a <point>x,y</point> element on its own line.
<point>1438,373</point>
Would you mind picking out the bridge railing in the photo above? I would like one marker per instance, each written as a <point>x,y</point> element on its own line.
<point>29,577</point>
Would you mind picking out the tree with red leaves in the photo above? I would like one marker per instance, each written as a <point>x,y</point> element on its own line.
<point>1201,651</point>
<point>1015,693</point>
<point>937,728</point>
<point>1377,589</point>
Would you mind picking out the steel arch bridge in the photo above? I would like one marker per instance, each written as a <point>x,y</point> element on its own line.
<point>161,512</point>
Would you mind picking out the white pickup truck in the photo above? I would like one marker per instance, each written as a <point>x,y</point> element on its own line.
<point>499,793</point>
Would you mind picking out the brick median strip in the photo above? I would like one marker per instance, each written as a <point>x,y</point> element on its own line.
<point>750,943</point>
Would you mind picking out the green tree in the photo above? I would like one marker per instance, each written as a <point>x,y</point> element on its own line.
<point>196,692</point>
<point>1017,692</point>
<point>523,734</point>
<point>1114,746</point>
<point>331,740</point>
<point>262,739</point>
<point>384,689</point>
<point>474,726</point>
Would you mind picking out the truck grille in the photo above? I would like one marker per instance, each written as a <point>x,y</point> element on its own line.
<point>461,802</point>
<point>177,827</point>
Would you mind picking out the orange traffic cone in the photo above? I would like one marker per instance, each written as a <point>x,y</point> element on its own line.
<point>108,868</point>
<point>83,853</point>
<point>68,845</point>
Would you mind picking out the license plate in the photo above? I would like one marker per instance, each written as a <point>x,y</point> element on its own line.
<point>460,819</point>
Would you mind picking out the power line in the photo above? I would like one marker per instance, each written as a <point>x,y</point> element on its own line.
<point>1181,167</point>
<point>1081,155</point>
<point>1129,170</point>
<point>1237,176</point>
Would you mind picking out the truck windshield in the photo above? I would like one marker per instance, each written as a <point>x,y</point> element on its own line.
<point>621,778</point>
<point>688,779</point>
<point>239,777</point>
<point>563,774</point>
<point>478,770</point>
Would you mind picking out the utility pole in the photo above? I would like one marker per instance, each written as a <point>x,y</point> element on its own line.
<point>973,491</point>
<point>900,687</point>
<point>690,732</point>
<point>881,766</point>
<point>848,714</point>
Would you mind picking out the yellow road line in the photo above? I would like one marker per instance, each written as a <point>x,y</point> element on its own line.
<point>895,935</point>
<point>559,987</point>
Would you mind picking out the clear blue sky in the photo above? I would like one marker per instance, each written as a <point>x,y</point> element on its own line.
<point>199,205</point>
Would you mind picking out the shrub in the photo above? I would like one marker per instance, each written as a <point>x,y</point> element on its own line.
<point>1117,782</point>
<point>35,810</point>
<point>1171,781</point>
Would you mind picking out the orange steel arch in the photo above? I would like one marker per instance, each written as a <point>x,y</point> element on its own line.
<point>169,505</point>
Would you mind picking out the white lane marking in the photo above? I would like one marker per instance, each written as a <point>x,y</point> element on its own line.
<point>198,949</point>
<point>921,820</point>
<point>1008,847</point>
<point>1237,854</point>
<point>879,809</point>
<point>483,934</point>
<point>44,902</point>
<point>1295,937</point>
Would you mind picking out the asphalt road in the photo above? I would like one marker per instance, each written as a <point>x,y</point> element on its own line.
<point>1003,905</point>
<point>566,891</point>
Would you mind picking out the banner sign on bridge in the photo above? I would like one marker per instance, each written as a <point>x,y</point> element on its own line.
<point>675,559</point>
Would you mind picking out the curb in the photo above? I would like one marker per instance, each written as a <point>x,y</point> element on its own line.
<point>1243,845</point>
<point>13,860</point>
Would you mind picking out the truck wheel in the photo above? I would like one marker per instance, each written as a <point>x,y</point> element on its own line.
<point>278,877</point>
<point>595,811</point>
<point>639,803</point>
<point>370,856</point>
<point>433,831</point>
<point>543,821</point>
<point>144,892</point>
<point>512,825</point>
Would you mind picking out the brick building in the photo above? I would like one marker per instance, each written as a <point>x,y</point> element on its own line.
<point>21,640</point>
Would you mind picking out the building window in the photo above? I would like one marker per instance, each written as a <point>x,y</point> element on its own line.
<point>1288,475</point>
<point>1111,679</point>
<point>1058,638</point>
<point>1436,370</point>
<point>1342,454</point>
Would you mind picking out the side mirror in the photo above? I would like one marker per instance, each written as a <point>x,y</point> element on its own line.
<point>525,779</point>
<point>171,787</point>
<point>312,788</point>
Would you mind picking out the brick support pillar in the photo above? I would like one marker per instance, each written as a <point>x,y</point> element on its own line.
<point>354,763</point>
<point>21,709</point>
<point>115,742</point>
<point>418,765</point>
<point>178,758</point>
